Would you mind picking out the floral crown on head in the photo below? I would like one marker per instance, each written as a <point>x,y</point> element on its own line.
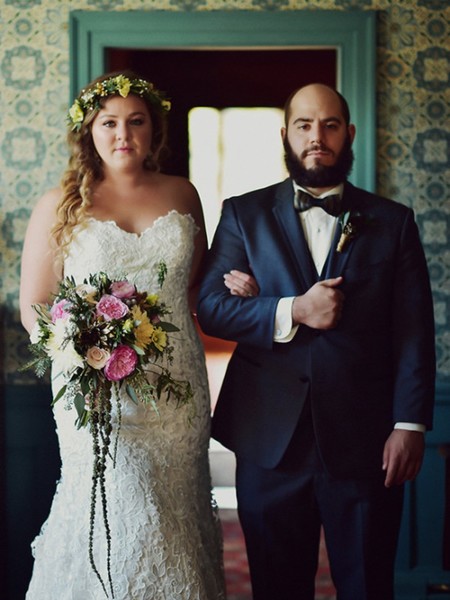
<point>119,85</point>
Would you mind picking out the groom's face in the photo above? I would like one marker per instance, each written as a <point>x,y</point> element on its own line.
<point>317,139</point>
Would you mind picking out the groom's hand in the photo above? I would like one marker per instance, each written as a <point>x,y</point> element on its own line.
<point>403,456</point>
<point>321,306</point>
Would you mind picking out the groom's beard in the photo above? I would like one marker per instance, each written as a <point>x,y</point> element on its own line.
<point>321,175</point>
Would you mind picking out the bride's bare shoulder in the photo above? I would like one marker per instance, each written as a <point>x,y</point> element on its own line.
<point>184,197</point>
<point>44,211</point>
<point>49,201</point>
<point>176,184</point>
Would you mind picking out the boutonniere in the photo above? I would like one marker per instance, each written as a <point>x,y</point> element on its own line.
<point>351,225</point>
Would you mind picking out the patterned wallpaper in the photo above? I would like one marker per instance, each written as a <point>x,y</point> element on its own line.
<point>413,56</point>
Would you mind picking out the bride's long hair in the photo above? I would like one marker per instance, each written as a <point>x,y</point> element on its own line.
<point>85,168</point>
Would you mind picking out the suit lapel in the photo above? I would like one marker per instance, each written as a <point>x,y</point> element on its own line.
<point>292,234</point>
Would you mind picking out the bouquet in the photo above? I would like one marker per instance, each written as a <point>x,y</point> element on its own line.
<point>104,334</point>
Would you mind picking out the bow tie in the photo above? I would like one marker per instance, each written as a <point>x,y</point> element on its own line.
<point>330,204</point>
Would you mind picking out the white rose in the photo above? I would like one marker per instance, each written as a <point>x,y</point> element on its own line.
<point>87,292</point>
<point>97,357</point>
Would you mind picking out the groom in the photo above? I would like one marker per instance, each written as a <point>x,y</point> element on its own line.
<point>331,386</point>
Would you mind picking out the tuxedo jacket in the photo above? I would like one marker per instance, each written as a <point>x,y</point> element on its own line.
<point>374,369</point>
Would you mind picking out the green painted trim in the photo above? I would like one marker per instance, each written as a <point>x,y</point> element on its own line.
<point>352,33</point>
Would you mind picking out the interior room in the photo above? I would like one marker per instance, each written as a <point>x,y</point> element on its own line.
<point>227,67</point>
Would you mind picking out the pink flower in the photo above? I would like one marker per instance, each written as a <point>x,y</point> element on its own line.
<point>121,364</point>
<point>110,307</point>
<point>123,289</point>
<point>58,311</point>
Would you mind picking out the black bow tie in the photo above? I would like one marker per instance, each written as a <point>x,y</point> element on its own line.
<point>330,204</point>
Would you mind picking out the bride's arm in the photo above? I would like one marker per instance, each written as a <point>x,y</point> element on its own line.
<point>39,271</point>
<point>192,205</point>
<point>239,283</point>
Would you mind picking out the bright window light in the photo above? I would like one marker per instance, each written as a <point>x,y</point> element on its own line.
<point>233,151</point>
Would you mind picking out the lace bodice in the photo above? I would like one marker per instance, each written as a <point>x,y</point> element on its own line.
<point>104,246</point>
<point>165,536</point>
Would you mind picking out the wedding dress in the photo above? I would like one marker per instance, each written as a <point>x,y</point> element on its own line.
<point>165,533</point>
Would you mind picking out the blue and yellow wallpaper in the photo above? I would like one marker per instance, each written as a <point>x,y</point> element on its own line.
<point>413,60</point>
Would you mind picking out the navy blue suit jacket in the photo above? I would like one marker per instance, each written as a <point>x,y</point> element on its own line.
<point>374,369</point>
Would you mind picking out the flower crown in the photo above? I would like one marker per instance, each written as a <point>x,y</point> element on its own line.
<point>90,99</point>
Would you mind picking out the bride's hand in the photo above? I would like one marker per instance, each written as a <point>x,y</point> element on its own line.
<point>241,284</point>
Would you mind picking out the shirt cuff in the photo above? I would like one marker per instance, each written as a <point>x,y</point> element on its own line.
<point>410,427</point>
<point>283,330</point>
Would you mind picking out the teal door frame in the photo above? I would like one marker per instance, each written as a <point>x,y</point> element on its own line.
<point>352,34</point>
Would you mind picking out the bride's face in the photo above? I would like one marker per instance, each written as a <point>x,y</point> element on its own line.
<point>122,132</point>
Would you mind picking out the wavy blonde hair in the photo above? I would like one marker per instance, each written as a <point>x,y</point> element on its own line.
<point>85,169</point>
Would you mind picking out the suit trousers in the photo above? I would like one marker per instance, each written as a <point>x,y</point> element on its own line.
<point>282,510</point>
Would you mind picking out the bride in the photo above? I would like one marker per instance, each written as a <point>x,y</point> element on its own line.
<point>115,212</point>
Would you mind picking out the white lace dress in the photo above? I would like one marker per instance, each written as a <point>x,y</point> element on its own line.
<point>165,534</point>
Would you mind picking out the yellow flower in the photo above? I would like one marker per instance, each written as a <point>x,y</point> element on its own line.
<point>76,113</point>
<point>144,331</point>
<point>123,85</point>
<point>127,327</point>
<point>166,105</point>
<point>159,338</point>
<point>152,299</point>
<point>99,90</point>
